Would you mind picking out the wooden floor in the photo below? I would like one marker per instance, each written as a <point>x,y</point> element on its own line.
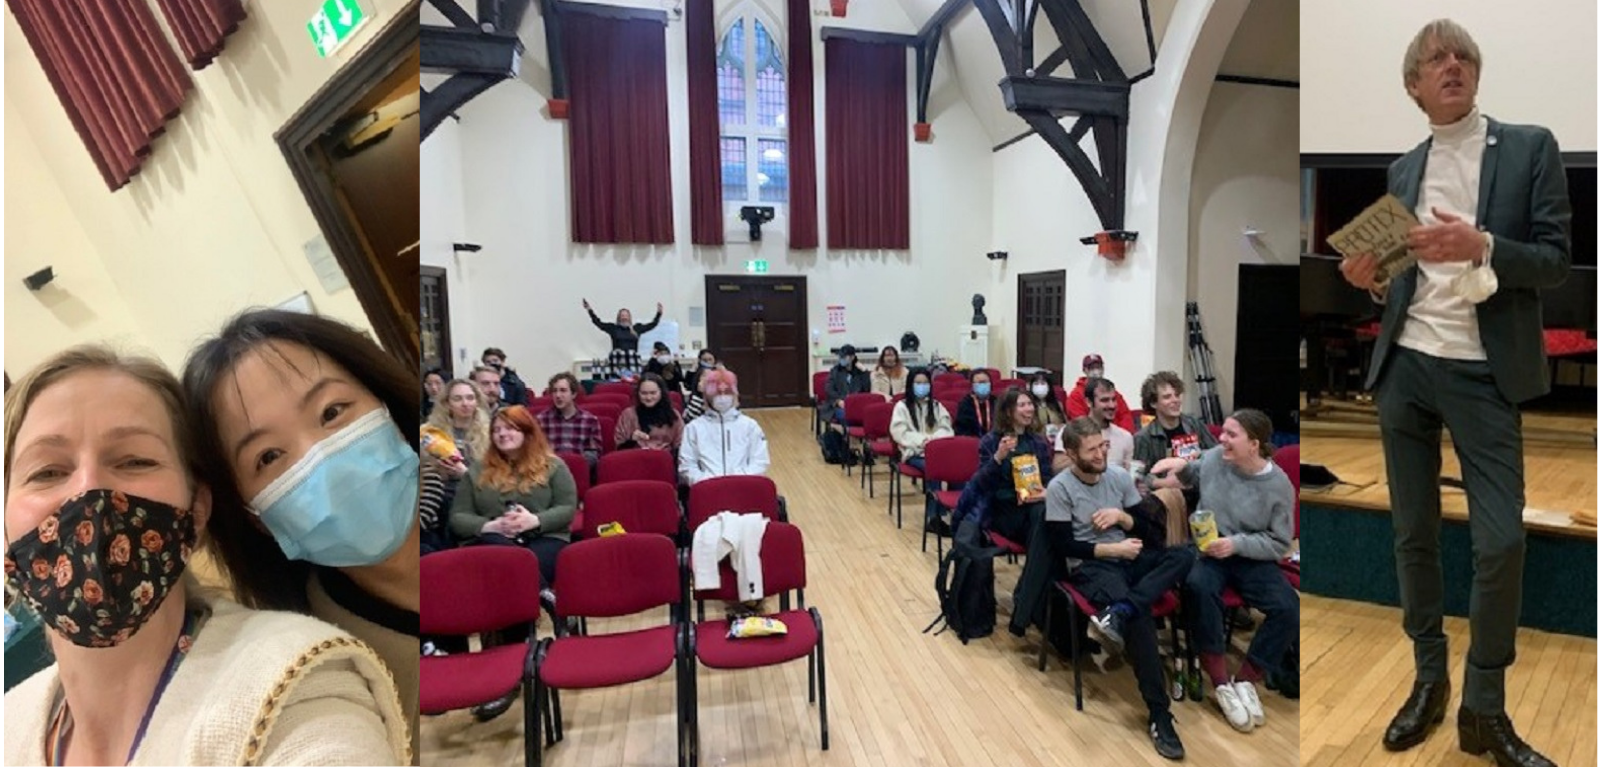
<point>1559,480</point>
<point>1357,670</point>
<point>896,696</point>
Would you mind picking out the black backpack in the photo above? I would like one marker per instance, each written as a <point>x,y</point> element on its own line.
<point>835,447</point>
<point>965,584</point>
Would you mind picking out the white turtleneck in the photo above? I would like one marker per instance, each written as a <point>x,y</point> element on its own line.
<point>1441,321</point>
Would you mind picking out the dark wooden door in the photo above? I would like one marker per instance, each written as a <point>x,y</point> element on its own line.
<point>1041,329</point>
<point>757,328</point>
<point>435,322</point>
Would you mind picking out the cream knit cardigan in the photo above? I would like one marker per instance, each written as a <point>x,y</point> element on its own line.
<point>257,688</point>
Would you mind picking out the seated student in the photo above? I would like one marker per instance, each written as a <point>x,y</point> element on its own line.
<point>889,377</point>
<point>1172,433</point>
<point>975,415</point>
<point>488,381</point>
<point>1078,405</point>
<point>512,390</point>
<point>1253,504</point>
<point>569,429</point>
<point>844,380</point>
<point>650,423</point>
<point>1119,443</point>
<point>1052,415</point>
<point>663,364</point>
<point>106,478</point>
<point>1003,455</point>
<point>431,506</point>
<point>723,442</point>
<point>433,381</point>
<point>694,403</point>
<point>917,420</point>
<point>1093,518</point>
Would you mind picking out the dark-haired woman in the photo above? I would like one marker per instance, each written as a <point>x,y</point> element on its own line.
<point>1049,411</point>
<point>650,423</point>
<point>919,419</point>
<point>313,428</point>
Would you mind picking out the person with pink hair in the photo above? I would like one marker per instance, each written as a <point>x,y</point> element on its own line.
<point>723,442</point>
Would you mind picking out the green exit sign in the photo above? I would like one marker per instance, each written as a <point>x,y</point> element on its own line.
<point>756,267</point>
<point>334,23</point>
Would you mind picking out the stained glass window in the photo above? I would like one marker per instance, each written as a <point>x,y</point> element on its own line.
<point>752,103</point>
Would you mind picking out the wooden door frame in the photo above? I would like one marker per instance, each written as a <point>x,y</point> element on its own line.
<point>393,45</point>
<point>444,305</point>
<point>803,349</point>
<point>1017,359</point>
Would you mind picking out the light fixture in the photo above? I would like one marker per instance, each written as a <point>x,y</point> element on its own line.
<point>773,153</point>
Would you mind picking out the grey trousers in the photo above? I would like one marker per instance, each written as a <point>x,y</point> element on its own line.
<point>1416,395</point>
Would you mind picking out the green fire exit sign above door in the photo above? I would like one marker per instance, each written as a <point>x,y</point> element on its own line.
<point>756,267</point>
<point>334,23</point>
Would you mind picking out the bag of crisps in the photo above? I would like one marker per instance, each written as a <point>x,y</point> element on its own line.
<point>756,627</point>
<point>438,443</point>
<point>1025,475</point>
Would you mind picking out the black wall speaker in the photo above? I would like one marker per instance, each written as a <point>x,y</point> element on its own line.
<point>39,279</point>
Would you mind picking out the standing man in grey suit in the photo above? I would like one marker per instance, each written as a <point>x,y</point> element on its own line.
<point>1461,346</point>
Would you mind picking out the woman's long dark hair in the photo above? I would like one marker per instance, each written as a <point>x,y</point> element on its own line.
<point>660,415</point>
<point>1005,413</point>
<point>1049,399</point>
<point>916,406</point>
<point>262,576</point>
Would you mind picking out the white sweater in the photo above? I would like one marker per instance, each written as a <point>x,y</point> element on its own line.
<point>735,535</point>
<point>720,445</point>
<point>913,440</point>
<point>257,687</point>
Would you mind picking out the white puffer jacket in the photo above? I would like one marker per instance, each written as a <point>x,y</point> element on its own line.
<point>720,445</point>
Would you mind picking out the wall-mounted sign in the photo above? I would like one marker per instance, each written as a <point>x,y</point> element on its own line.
<point>334,23</point>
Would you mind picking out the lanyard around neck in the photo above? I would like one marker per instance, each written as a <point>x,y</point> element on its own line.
<point>61,726</point>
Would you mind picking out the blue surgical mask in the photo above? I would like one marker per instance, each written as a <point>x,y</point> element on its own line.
<point>350,501</point>
<point>981,389</point>
<point>921,389</point>
<point>844,362</point>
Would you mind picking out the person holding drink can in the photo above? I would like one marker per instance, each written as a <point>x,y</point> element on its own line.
<point>1247,503</point>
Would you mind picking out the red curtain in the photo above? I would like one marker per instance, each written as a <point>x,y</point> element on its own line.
<point>705,162</point>
<point>869,195</point>
<point>202,26</point>
<point>113,71</point>
<point>621,159</point>
<point>802,130</point>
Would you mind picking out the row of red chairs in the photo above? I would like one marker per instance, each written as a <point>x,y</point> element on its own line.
<point>604,578</point>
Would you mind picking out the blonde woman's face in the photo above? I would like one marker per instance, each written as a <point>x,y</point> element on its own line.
<point>96,429</point>
<point>463,401</point>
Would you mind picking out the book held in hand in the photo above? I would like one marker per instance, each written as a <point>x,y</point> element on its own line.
<point>1380,230</point>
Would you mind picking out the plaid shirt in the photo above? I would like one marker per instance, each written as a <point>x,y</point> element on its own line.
<point>577,434</point>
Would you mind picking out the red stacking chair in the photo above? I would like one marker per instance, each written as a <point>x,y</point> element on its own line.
<point>637,464</point>
<point>947,379</point>
<point>463,593</point>
<point>1166,606</point>
<point>855,416</point>
<point>540,404</point>
<point>1288,459</point>
<point>604,409</point>
<point>896,492</point>
<point>876,442</point>
<point>1215,429</point>
<point>641,505</point>
<point>677,401</point>
<point>952,461</point>
<point>710,497</point>
<point>621,400</point>
<point>1004,384</point>
<point>994,376</point>
<point>613,387</point>
<point>608,434</point>
<point>580,477</point>
<point>819,385</point>
<point>608,578</point>
<point>783,569</point>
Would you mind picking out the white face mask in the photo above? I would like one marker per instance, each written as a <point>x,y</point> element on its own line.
<point>1040,390</point>
<point>665,359</point>
<point>722,403</point>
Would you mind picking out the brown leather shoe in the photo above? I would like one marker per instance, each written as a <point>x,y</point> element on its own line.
<point>1494,735</point>
<point>1422,712</point>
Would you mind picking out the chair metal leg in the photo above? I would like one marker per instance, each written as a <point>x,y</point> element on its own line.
<point>532,733</point>
<point>1049,611</point>
<point>822,676</point>
<point>1077,654</point>
<point>811,676</point>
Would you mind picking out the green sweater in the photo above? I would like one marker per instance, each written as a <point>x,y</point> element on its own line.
<point>554,502</point>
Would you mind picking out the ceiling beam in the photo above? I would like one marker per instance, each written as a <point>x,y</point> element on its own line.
<point>455,13</point>
<point>942,18</point>
<point>450,50</point>
<point>451,95</point>
<point>1062,96</point>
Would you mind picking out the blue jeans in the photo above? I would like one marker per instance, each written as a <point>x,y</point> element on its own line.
<point>930,509</point>
<point>1264,587</point>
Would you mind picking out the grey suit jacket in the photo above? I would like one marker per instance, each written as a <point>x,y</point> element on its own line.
<point>1522,201</point>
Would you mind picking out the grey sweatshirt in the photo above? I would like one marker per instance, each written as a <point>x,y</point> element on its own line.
<point>1255,511</point>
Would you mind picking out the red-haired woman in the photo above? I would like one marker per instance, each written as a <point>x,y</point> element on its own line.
<point>519,494</point>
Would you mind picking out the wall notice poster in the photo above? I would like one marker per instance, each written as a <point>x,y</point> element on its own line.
<point>836,319</point>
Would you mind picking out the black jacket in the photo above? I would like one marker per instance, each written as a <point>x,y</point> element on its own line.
<point>621,337</point>
<point>671,372</point>
<point>513,391</point>
<point>842,383</point>
<point>967,422</point>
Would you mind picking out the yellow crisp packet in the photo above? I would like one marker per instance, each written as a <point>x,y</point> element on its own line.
<point>611,528</point>
<point>756,626</point>
<point>1025,476</point>
<point>439,444</point>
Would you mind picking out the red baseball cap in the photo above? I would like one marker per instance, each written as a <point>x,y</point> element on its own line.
<point>1093,360</point>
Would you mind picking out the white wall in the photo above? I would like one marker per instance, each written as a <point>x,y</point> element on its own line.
<point>1246,174</point>
<point>213,224</point>
<point>522,291</point>
<point>1538,67</point>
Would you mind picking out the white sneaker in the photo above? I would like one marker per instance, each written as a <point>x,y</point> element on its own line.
<point>1233,709</point>
<point>1251,701</point>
